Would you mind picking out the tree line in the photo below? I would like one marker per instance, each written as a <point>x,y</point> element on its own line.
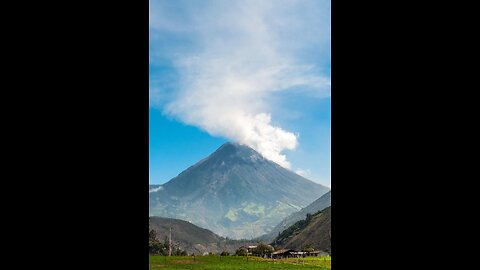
<point>156,247</point>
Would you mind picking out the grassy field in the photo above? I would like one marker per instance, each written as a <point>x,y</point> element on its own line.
<point>236,263</point>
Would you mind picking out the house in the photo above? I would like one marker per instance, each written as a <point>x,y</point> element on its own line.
<point>264,251</point>
<point>298,254</point>
<point>317,253</point>
<point>283,253</point>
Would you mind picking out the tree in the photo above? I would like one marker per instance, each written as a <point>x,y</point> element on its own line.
<point>309,218</point>
<point>308,248</point>
<point>262,249</point>
<point>152,236</point>
<point>241,252</point>
<point>155,247</point>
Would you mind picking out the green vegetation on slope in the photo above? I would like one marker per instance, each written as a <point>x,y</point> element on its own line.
<point>298,226</point>
<point>313,232</point>
<point>321,203</point>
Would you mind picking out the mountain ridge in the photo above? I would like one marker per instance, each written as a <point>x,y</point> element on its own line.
<point>191,238</point>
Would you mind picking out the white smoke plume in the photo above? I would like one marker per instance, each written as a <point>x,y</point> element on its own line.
<point>241,56</point>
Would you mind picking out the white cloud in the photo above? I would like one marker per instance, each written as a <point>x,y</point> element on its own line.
<point>155,189</point>
<point>241,54</point>
<point>305,173</point>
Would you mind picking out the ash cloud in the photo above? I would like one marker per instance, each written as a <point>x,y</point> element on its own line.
<point>235,57</point>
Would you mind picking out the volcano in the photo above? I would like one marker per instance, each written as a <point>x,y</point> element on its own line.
<point>234,192</point>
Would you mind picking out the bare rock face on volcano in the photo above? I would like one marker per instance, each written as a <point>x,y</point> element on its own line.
<point>235,192</point>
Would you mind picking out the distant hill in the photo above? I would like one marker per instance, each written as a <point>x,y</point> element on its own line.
<point>315,231</point>
<point>235,192</point>
<point>318,205</point>
<point>192,238</point>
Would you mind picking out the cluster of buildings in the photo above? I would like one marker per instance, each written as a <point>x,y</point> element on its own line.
<point>291,253</point>
<point>287,253</point>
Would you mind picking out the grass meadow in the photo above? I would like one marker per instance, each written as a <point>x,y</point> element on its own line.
<point>236,263</point>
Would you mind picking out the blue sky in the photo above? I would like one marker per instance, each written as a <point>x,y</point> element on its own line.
<point>255,72</point>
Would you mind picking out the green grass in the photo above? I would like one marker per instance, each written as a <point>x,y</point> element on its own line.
<point>236,263</point>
